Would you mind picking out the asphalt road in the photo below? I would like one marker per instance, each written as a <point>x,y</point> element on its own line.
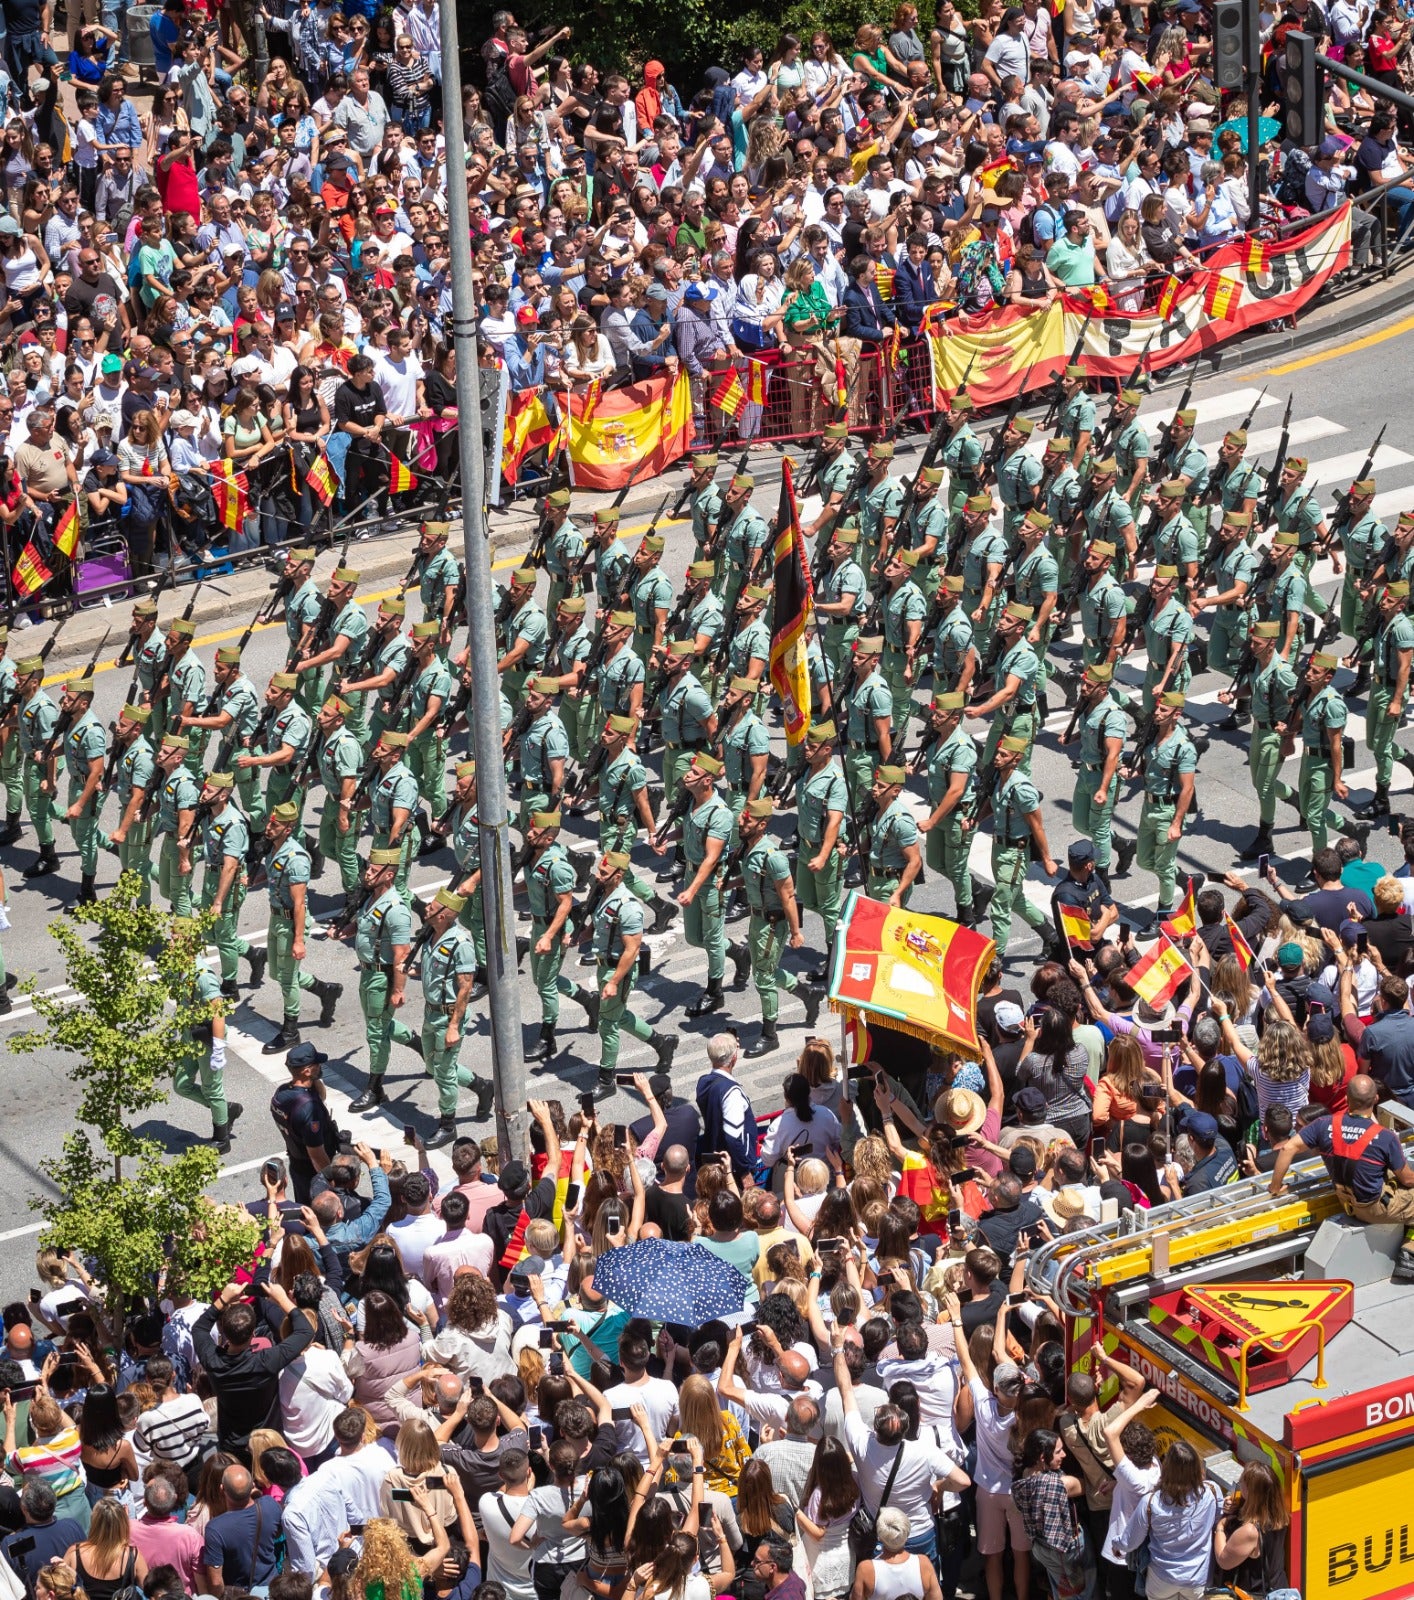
<point>1341,401</point>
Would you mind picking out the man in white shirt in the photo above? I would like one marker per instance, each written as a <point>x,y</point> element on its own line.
<point>793,1371</point>
<point>657,1396</point>
<point>313,1392</point>
<point>419,1228</point>
<point>458,1247</point>
<point>506,1563</point>
<point>345,1492</point>
<point>934,1377</point>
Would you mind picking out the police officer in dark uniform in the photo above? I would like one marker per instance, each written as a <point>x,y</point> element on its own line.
<point>311,1139</point>
<point>1083,891</point>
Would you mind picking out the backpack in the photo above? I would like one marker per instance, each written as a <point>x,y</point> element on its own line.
<point>500,94</point>
<point>1291,186</point>
<point>1026,230</point>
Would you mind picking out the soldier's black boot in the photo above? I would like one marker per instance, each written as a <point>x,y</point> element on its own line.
<point>741,962</point>
<point>478,983</point>
<point>544,1046</point>
<point>87,895</point>
<point>48,862</point>
<point>259,957</point>
<point>230,990</point>
<point>485,1092</point>
<point>372,1096</point>
<point>664,910</point>
<point>1261,844</point>
<point>286,1039</point>
<point>221,1137</point>
<point>1124,855</point>
<point>328,995</point>
<point>1376,807</point>
<point>666,1047</point>
<point>765,1044</point>
<point>711,999</point>
<point>590,1001</point>
<point>446,1132</point>
<point>13,829</point>
<point>811,995</point>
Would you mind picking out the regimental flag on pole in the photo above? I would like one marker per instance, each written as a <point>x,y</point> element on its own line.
<point>1241,950</point>
<point>1184,921</point>
<point>401,477</point>
<point>1167,295</point>
<point>794,612</point>
<point>757,382</point>
<point>728,395</point>
<point>1159,973</point>
<point>1222,298</point>
<point>231,492</point>
<point>322,481</point>
<point>1075,925</point>
<point>1254,258</point>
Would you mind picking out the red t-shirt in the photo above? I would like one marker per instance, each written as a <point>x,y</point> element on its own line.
<point>176,183</point>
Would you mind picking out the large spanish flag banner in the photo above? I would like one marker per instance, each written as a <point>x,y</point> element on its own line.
<point>634,433</point>
<point>794,610</point>
<point>1240,288</point>
<point>916,973</point>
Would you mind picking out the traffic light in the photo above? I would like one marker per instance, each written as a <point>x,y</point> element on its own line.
<point>1304,83</point>
<point>1232,60</point>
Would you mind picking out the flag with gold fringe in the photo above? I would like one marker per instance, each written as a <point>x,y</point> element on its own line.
<point>401,477</point>
<point>1167,295</point>
<point>46,553</point>
<point>636,432</point>
<point>916,973</point>
<point>1222,298</point>
<point>322,480</point>
<point>728,396</point>
<point>794,610</point>
<point>231,492</point>
<point>1159,973</point>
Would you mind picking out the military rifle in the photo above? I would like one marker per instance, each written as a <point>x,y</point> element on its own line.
<point>1100,446</point>
<point>65,719</point>
<point>1268,508</point>
<point>997,444</point>
<point>1058,390</point>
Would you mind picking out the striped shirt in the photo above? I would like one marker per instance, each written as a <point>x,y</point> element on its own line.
<point>173,1431</point>
<point>55,1460</point>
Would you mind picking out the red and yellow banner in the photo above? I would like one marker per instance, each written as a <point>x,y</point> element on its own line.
<point>1159,973</point>
<point>401,477</point>
<point>794,610</point>
<point>231,492</point>
<point>528,427</point>
<point>633,433</point>
<point>917,973</point>
<point>1241,950</point>
<point>1185,919</point>
<point>1223,297</point>
<point>1075,925</point>
<point>728,396</point>
<point>322,480</point>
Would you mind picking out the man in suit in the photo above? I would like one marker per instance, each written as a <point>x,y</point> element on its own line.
<point>866,317</point>
<point>913,285</point>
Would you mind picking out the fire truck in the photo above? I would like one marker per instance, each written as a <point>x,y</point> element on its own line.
<point>1272,1331</point>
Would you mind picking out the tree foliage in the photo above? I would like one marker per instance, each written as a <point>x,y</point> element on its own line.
<point>118,1198</point>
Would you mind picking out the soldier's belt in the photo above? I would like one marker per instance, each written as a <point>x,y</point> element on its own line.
<point>688,744</point>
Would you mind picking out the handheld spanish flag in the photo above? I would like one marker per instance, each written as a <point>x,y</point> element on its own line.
<point>1167,295</point>
<point>1159,973</point>
<point>1222,298</point>
<point>1241,950</point>
<point>66,531</point>
<point>728,396</point>
<point>895,347</point>
<point>884,280</point>
<point>1254,259</point>
<point>401,477</point>
<point>756,382</point>
<point>794,612</point>
<point>32,570</point>
<point>322,481</point>
<point>1184,921</point>
<point>1075,925</point>
<point>591,395</point>
<point>1101,299</point>
<point>231,492</point>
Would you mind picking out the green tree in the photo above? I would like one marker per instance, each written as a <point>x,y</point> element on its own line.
<point>118,1197</point>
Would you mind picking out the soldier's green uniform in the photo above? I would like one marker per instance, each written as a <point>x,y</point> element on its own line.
<point>542,742</point>
<point>288,868</point>
<point>620,782</point>
<point>985,549</point>
<point>686,712</point>
<point>904,606</point>
<point>527,622</point>
<point>301,610</point>
<point>194,1077</point>
<point>747,535</point>
<point>384,924</point>
<point>925,522</point>
<point>1324,713</point>
<point>225,838</point>
<point>186,685</point>
<point>892,832</point>
<point>577,708</point>
<point>11,765</point>
<point>392,653</point>
<point>241,702</point>
<point>1189,460</point>
<point>340,757</point>
<point>564,561</point>
<point>952,639</point>
<point>86,740</point>
<point>618,914</point>
<point>821,891</point>
<point>464,831</point>
<point>836,477</point>
<point>1102,723</point>
<point>436,576</point>
<point>747,739</point>
<point>150,665</point>
<point>651,593</point>
<point>844,582</point>
<point>1233,485</point>
<point>705,618</point>
<point>1176,544</point>
<point>703,926</point>
<point>1014,797</point>
<point>291,727</point>
<point>1172,625</point>
<point>1277,597</point>
<point>37,720</point>
<point>1300,513</point>
<point>948,845</point>
<point>1364,542</point>
<point>179,792</point>
<point>1064,492</point>
<point>1395,635</point>
<point>549,876</point>
<point>764,868</point>
<point>427,753</point>
<point>1239,564</point>
<point>1018,484</point>
<point>883,501</point>
<point>136,769</point>
<point>962,456</point>
<point>749,643</point>
<point>616,684</point>
<point>444,960</point>
<point>705,514</point>
<point>1037,576</point>
<point>1110,519</point>
<point>1102,604</point>
<point>395,790</point>
<point>1077,417</point>
<point>613,568</point>
<point>1164,765</point>
<point>1271,688</point>
<point>1018,716</point>
<point>351,624</point>
<point>1131,446</point>
<point>870,700</point>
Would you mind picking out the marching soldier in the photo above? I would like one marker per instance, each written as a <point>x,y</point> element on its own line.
<point>1364,541</point>
<point>984,558</point>
<point>1017,828</point>
<point>1269,689</point>
<point>544,749</point>
<point>1280,597</point>
<point>149,664</point>
<point>185,678</point>
<point>624,805</point>
<point>302,606</point>
<point>1062,493</point>
<point>526,634</point>
<point>775,921</point>
<point>1397,563</point>
<point>1076,423</point>
<point>905,610</point>
<point>880,501</point>
<point>651,599</point>
<point>749,652</point>
<point>962,456</point>
<point>1236,566</point>
<point>225,843</point>
<point>954,652</point>
<point>744,540</point>
<point>85,752</point>
<point>868,709</point>
<point>233,711</point>
<point>37,719</point>
<point>928,529</point>
<point>1168,630</point>
<point>1323,718</point>
<point>822,805</point>
<point>11,764</point>
<point>745,745</point>
<point>199,1073</point>
<point>705,504</point>
<point>1389,690</point>
<point>1037,584</point>
<point>894,852</point>
<point>427,745</point>
<point>1176,543</point>
<point>346,633</point>
<point>288,868</point>
<point>1102,729</point>
<point>1234,484</point>
<point>1186,462</point>
<point>447,987</point>
<point>178,795</point>
<point>134,774</point>
<point>844,601</point>
<point>706,828</point>
<point>1110,517</point>
<point>1169,764</point>
<point>1299,511</point>
<point>1131,449</point>
<point>1015,683</point>
<point>621,677</point>
<point>549,886</point>
<point>572,646</point>
<point>463,828</point>
<point>565,550</point>
<point>385,654</point>
<point>287,739</point>
<point>703,624</point>
<point>834,481</point>
<point>439,581</point>
<point>613,566</point>
<point>618,934</point>
<point>952,770</point>
<point>393,804</point>
<point>382,939</point>
<point>340,766</point>
<point>689,722</point>
<point>1104,612</point>
<point>1018,476</point>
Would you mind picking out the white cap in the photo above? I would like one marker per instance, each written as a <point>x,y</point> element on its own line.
<point>184,419</point>
<point>922,136</point>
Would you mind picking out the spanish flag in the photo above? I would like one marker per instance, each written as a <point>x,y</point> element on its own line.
<point>1075,925</point>
<point>841,381</point>
<point>322,481</point>
<point>1101,299</point>
<point>66,531</point>
<point>401,477</point>
<point>592,396</point>
<point>231,492</point>
<point>637,431</point>
<point>528,426</point>
<point>1167,295</point>
<point>756,382</point>
<point>31,572</point>
<point>1242,951</point>
<point>1254,259</point>
<point>1159,973</point>
<point>1222,298</point>
<point>728,396</point>
<point>794,613</point>
<point>884,280</point>
<point>1184,921</point>
<point>990,171</point>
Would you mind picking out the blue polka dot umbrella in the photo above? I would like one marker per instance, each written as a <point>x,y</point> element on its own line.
<point>671,1281</point>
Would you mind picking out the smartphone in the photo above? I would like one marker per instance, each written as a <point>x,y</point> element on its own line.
<point>1263,862</point>
<point>1362,944</point>
<point>826,1244</point>
<point>557,1364</point>
<point>793,1245</point>
<point>35,1296</point>
<point>624,1080</point>
<point>478,1386</point>
<point>1017,1299</point>
<point>23,1391</point>
<point>622,1414</point>
<point>409,1134</point>
<point>748,1328</point>
<point>954,1218</point>
<point>403,1497</point>
<point>519,1285</point>
<point>537,1438</point>
<point>964,1175</point>
<point>613,1226</point>
<point>67,1308</point>
<point>801,1140</point>
<point>21,1547</point>
<point>562,1326</point>
<point>572,1197</point>
<point>620,1136</point>
<point>1396,826</point>
<point>434,1483</point>
<point>547,1338</point>
<point>1097,1149</point>
<point>586,1105</point>
<point>1166,1035</point>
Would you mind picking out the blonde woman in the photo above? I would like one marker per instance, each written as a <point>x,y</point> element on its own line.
<point>106,1561</point>
<point>388,1569</point>
<point>419,1457</point>
<point>59,1288</point>
<point>588,356</point>
<point>1230,984</point>
<point>873,58</point>
<point>1281,1065</point>
<point>1127,261</point>
<point>724,1447</point>
<point>1117,1093</point>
